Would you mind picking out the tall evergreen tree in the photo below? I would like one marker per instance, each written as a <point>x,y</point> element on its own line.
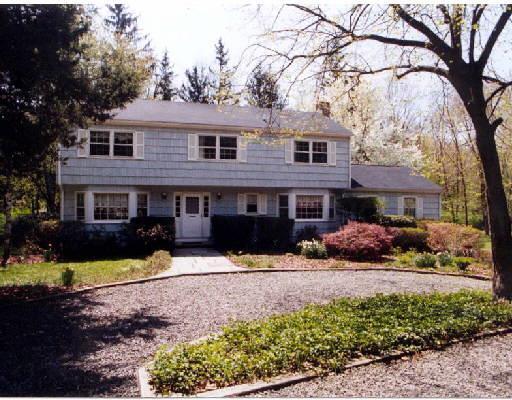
<point>54,76</point>
<point>223,76</point>
<point>197,88</point>
<point>263,90</point>
<point>164,87</point>
<point>123,23</point>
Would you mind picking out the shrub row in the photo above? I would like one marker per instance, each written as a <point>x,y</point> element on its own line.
<point>73,240</point>
<point>325,337</point>
<point>248,233</point>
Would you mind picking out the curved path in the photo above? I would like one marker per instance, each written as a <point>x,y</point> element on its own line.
<point>92,343</point>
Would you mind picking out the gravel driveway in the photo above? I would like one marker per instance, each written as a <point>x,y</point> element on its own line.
<point>92,343</point>
<point>479,369</point>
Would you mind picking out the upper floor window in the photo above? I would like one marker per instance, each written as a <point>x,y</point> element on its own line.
<point>108,143</point>
<point>410,206</point>
<point>310,152</point>
<point>213,147</point>
<point>123,144</point>
<point>99,143</point>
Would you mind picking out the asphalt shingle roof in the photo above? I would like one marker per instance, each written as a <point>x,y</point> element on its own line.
<point>390,179</point>
<point>143,110</point>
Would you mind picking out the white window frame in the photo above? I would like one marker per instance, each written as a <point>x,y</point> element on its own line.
<point>109,221</point>
<point>176,195</point>
<point>310,152</point>
<point>112,133</point>
<point>278,207</point>
<point>84,207</point>
<point>416,203</point>
<point>246,203</point>
<point>217,148</point>
<point>137,203</point>
<point>333,203</point>
<point>324,198</point>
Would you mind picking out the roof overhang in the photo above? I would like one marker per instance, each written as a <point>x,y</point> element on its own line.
<point>218,128</point>
<point>396,190</point>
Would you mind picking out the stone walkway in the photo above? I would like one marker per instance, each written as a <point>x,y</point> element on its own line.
<point>199,261</point>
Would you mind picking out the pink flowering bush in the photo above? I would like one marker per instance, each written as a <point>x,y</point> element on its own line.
<point>456,239</point>
<point>359,241</point>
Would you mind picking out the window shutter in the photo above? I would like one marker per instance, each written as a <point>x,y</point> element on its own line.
<point>400,208</point>
<point>139,145</point>
<point>331,155</point>
<point>83,149</point>
<point>241,203</point>
<point>242,148</point>
<point>89,206</point>
<point>288,151</point>
<point>419,207</point>
<point>193,146</point>
<point>262,204</point>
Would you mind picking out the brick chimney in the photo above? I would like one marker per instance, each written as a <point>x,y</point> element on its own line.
<point>324,107</point>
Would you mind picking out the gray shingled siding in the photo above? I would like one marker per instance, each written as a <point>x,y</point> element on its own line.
<point>430,202</point>
<point>165,164</point>
<point>226,205</point>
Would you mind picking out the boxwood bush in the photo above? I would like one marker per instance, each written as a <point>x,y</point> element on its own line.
<point>325,337</point>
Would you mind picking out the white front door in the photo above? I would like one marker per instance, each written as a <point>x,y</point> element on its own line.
<point>192,220</point>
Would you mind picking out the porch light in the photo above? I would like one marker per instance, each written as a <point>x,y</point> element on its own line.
<point>219,195</point>
<point>163,195</point>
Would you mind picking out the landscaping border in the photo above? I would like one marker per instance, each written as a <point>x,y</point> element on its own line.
<point>281,381</point>
<point>245,270</point>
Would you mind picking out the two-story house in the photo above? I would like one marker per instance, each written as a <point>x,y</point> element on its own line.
<point>192,161</point>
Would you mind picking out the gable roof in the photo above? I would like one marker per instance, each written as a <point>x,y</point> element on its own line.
<point>225,116</point>
<point>378,177</point>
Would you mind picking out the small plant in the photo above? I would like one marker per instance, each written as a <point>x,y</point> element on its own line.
<point>158,261</point>
<point>425,260</point>
<point>68,277</point>
<point>312,249</point>
<point>407,258</point>
<point>463,263</point>
<point>445,259</point>
<point>309,232</point>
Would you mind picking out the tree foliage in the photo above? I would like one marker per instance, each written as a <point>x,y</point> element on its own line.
<point>222,76</point>
<point>263,90</point>
<point>164,86</point>
<point>198,87</point>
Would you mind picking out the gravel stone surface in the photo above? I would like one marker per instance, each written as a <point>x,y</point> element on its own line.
<point>475,369</point>
<point>91,344</point>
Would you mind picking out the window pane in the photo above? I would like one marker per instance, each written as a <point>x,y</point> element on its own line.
<point>227,154</point>
<point>79,199</point>
<point>228,141</point>
<point>309,207</point>
<point>207,153</point>
<point>320,152</point>
<point>320,147</point>
<point>192,205</point>
<point>283,200</point>
<point>209,141</point>
<point>99,143</point>
<point>302,157</point>
<point>410,206</point>
<point>123,138</point>
<point>332,206</point>
<point>142,205</point>
<point>110,206</point>
<point>301,146</point>
<point>319,158</point>
<point>177,210</point>
<point>252,203</point>
<point>206,206</point>
<point>123,151</point>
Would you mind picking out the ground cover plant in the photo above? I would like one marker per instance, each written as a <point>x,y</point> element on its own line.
<point>325,337</point>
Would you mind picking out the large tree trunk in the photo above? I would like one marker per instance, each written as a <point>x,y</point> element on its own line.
<point>8,226</point>
<point>497,210</point>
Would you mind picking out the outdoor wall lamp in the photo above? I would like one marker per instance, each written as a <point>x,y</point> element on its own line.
<point>163,195</point>
<point>219,195</point>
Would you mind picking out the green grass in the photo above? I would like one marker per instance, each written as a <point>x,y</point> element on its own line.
<point>86,272</point>
<point>325,337</point>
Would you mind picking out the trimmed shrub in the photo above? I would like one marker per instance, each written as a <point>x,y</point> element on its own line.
<point>365,209</point>
<point>463,263</point>
<point>233,232</point>
<point>458,240</point>
<point>309,232</point>
<point>445,259</point>
<point>273,233</point>
<point>248,233</point>
<point>397,221</point>
<point>312,249</point>
<point>425,260</point>
<point>145,235</point>
<point>359,241</point>
<point>410,238</point>
<point>68,276</point>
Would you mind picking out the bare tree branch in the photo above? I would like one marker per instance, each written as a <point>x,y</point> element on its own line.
<point>493,37</point>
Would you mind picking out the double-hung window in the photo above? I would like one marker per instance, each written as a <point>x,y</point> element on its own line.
<point>214,147</point>
<point>80,206</point>
<point>309,207</point>
<point>283,207</point>
<point>310,152</point>
<point>110,206</point>
<point>142,205</point>
<point>410,206</point>
<point>111,144</point>
<point>251,204</point>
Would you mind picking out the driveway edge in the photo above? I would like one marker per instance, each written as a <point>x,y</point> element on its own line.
<point>244,271</point>
<point>291,379</point>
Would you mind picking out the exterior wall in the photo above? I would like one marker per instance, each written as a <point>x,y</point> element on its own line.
<point>431,201</point>
<point>166,163</point>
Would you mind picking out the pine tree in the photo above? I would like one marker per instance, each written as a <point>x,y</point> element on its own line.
<point>123,23</point>
<point>164,88</point>
<point>197,89</point>
<point>263,90</point>
<point>223,75</point>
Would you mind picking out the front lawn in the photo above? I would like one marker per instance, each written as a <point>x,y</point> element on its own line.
<point>24,281</point>
<point>325,338</point>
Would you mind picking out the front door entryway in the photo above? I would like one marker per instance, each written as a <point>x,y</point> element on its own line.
<point>192,211</point>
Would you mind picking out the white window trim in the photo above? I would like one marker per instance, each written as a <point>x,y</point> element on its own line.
<point>310,141</point>
<point>85,205</point>
<point>333,196</point>
<point>325,205</point>
<point>418,200</point>
<point>111,144</point>
<point>217,148</point>
<point>180,195</point>
<point>137,205</point>
<point>131,198</point>
<point>257,203</point>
